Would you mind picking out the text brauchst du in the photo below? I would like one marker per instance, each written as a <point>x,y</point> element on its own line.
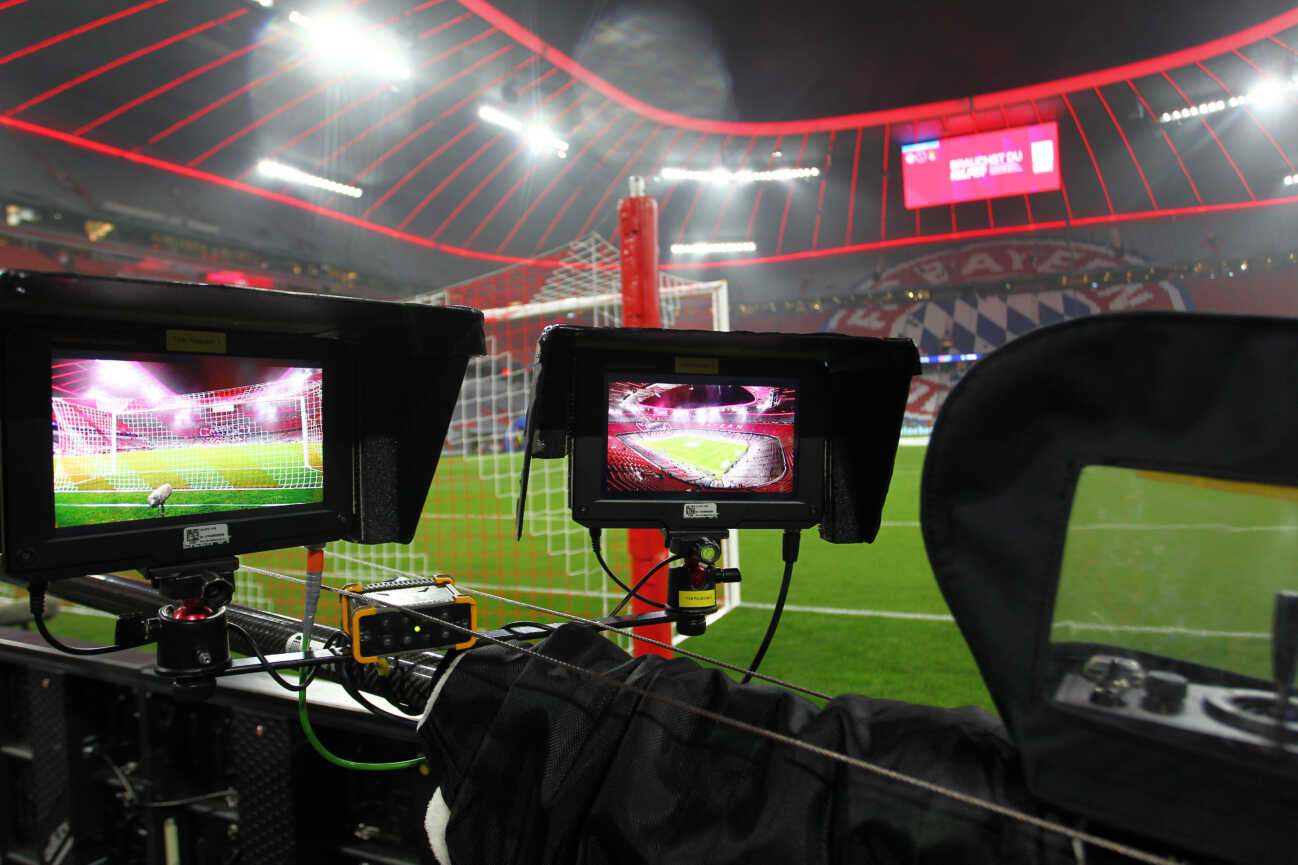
<point>976,167</point>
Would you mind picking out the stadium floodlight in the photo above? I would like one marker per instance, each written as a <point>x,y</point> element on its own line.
<point>722,176</point>
<point>280,171</point>
<point>351,45</point>
<point>708,248</point>
<point>538,137</point>
<point>1290,179</point>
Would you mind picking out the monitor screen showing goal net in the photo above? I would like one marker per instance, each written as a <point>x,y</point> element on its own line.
<point>700,436</point>
<point>153,437</point>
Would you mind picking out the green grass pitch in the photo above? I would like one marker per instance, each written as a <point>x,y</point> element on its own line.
<point>1186,569</point>
<point>701,453</point>
<point>204,480</point>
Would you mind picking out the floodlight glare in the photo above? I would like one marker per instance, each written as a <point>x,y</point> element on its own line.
<point>707,248</point>
<point>538,137</point>
<point>280,171</point>
<point>347,43</point>
<point>722,176</point>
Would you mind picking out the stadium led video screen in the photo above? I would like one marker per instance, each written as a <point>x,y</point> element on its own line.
<point>987,165</point>
<point>139,437</point>
<point>705,436</point>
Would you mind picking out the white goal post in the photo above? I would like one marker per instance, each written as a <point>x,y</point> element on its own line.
<point>518,303</point>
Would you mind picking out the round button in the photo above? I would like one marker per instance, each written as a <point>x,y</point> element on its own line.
<point>1164,692</point>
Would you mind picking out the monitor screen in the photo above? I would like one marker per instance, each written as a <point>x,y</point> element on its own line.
<point>140,437</point>
<point>987,165</point>
<point>700,435</point>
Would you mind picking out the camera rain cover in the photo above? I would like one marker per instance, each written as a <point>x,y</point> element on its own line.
<point>1110,507</point>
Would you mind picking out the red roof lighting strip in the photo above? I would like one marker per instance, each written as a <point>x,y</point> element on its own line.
<point>1193,186</point>
<point>1046,89</point>
<point>429,124</point>
<point>526,175</point>
<point>1104,186</point>
<point>11,3</point>
<point>227,98</point>
<point>698,191</point>
<point>788,199</point>
<point>124,59</point>
<point>689,157</point>
<point>761,188</point>
<point>851,195</point>
<point>1249,112</point>
<point>567,166</point>
<point>1063,187</point>
<point>423,163</point>
<point>977,233</point>
<point>250,86</point>
<point>207,177</point>
<point>446,181</point>
<point>77,31</point>
<point>279,198</point>
<point>411,103</point>
<point>626,165</point>
<point>820,200</point>
<point>1027,203</point>
<point>491,175</point>
<point>626,168</point>
<point>1208,127</point>
<point>1291,97</point>
<point>1130,151</point>
<point>729,191</point>
<point>176,82</point>
<point>265,118</point>
<point>883,197</point>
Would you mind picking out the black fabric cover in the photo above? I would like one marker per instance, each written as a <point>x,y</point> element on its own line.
<point>1177,392</point>
<point>545,765</point>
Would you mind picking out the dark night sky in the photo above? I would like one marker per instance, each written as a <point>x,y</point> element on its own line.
<point>782,61</point>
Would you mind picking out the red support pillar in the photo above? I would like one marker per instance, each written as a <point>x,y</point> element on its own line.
<point>638,228</point>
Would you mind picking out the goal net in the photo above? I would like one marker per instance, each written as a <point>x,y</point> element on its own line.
<point>467,528</point>
<point>263,436</point>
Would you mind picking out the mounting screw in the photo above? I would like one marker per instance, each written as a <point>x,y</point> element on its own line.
<point>203,657</point>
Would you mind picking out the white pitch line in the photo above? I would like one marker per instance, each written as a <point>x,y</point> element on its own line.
<point>1162,629</point>
<point>841,611</point>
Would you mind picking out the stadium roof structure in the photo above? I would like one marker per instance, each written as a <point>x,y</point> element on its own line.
<point>210,90</point>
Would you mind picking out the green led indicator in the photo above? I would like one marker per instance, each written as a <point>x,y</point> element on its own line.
<point>416,629</point>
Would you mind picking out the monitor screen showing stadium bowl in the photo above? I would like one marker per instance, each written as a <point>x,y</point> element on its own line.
<point>157,437</point>
<point>701,436</point>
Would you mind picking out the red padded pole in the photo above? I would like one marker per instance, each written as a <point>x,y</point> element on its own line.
<point>637,217</point>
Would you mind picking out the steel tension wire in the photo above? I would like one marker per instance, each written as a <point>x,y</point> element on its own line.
<point>1076,835</point>
<point>630,632</point>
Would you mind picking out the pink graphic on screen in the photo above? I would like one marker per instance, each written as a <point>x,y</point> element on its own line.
<point>701,437</point>
<point>988,165</point>
<point>182,435</point>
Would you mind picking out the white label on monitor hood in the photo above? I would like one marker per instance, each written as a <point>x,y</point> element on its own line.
<point>701,510</point>
<point>206,536</point>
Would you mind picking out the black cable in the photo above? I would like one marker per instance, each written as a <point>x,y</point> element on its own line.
<point>191,800</point>
<point>36,602</point>
<point>302,684</point>
<point>636,588</point>
<point>349,685</point>
<point>385,685</point>
<point>599,557</point>
<point>790,550</point>
<point>513,627</point>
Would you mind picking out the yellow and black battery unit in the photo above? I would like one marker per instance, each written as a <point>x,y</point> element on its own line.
<point>407,615</point>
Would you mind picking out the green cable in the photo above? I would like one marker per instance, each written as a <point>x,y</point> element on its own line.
<point>334,758</point>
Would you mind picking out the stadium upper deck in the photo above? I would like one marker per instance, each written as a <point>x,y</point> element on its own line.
<point>205,92</point>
